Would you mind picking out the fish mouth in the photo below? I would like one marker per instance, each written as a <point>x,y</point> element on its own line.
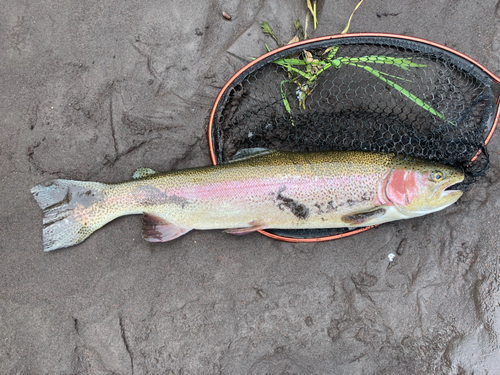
<point>451,194</point>
<point>449,191</point>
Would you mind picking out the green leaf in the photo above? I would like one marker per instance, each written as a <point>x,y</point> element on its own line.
<point>297,62</point>
<point>296,24</point>
<point>294,70</point>
<point>333,52</point>
<point>285,100</point>
<point>397,61</point>
<point>267,30</point>
<point>402,90</point>
<point>390,75</point>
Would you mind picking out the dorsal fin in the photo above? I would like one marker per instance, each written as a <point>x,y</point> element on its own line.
<point>143,172</point>
<point>247,153</point>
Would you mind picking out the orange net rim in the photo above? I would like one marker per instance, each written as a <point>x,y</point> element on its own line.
<point>332,37</point>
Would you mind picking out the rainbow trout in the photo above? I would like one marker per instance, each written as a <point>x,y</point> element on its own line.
<point>266,189</point>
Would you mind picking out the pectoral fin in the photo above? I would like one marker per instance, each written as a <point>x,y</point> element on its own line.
<point>254,226</point>
<point>157,229</point>
<point>362,217</point>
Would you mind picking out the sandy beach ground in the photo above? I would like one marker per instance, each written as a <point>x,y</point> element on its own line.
<point>93,90</point>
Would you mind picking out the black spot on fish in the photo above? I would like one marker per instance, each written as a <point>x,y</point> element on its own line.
<point>155,197</point>
<point>180,201</point>
<point>298,209</point>
<point>330,207</point>
<point>366,196</point>
<point>324,208</point>
<point>84,198</point>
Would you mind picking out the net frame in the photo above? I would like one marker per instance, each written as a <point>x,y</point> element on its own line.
<point>462,61</point>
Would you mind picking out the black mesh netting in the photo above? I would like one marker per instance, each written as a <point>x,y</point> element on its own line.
<point>377,94</point>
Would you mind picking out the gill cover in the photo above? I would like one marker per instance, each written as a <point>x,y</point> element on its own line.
<point>422,190</point>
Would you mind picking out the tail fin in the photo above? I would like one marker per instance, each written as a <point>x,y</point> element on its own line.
<point>70,212</point>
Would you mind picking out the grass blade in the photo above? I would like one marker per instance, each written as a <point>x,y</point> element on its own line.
<point>285,100</point>
<point>350,18</point>
<point>292,69</point>
<point>402,90</point>
<point>312,9</point>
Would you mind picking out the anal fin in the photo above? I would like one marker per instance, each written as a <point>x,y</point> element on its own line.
<point>157,229</point>
<point>363,217</point>
<point>254,226</point>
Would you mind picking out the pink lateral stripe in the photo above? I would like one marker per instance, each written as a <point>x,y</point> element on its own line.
<point>262,187</point>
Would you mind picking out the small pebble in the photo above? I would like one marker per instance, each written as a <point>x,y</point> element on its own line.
<point>227,16</point>
<point>391,257</point>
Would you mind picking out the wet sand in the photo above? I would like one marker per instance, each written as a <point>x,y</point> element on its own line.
<point>93,90</point>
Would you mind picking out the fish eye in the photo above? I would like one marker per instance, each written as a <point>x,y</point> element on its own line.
<point>437,176</point>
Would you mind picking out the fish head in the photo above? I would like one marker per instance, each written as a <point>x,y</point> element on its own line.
<point>419,188</point>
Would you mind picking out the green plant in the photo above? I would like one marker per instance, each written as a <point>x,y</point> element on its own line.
<point>304,70</point>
